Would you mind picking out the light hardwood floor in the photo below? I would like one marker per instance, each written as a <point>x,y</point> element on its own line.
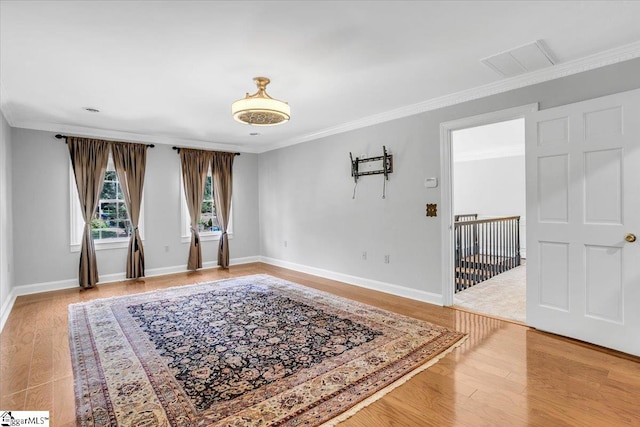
<point>505,374</point>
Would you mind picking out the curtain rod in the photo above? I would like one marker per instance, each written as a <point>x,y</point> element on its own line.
<point>65,138</point>
<point>178,150</point>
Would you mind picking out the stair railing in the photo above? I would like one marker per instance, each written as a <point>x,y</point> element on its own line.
<point>484,248</point>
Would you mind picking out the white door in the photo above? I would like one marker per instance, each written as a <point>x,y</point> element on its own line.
<point>583,199</point>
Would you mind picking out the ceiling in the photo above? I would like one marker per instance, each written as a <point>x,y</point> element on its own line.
<point>167,72</point>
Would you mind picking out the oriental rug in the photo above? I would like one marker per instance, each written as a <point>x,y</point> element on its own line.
<point>249,351</point>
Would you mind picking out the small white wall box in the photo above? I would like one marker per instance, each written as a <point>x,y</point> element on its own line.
<point>431,182</point>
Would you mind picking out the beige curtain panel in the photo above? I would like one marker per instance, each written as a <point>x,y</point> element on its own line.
<point>195,165</point>
<point>89,159</point>
<point>221,170</point>
<point>130,163</point>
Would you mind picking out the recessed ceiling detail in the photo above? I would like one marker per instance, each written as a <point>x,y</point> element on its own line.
<point>523,59</point>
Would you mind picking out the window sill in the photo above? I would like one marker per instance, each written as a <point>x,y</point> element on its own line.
<point>105,244</point>
<point>205,237</point>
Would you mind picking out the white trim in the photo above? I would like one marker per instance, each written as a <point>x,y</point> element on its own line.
<point>6,111</point>
<point>105,244</point>
<point>206,237</point>
<point>446,187</point>
<point>185,219</point>
<point>609,57</point>
<point>104,279</point>
<point>375,285</point>
<point>76,221</point>
<point>6,308</point>
<point>362,282</point>
<point>117,135</point>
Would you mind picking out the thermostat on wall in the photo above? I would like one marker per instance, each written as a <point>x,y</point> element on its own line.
<point>431,182</point>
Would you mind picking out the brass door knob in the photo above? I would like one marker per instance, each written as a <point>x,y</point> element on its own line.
<point>630,237</point>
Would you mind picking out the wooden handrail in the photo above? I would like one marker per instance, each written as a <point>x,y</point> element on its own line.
<point>456,218</point>
<point>483,221</point>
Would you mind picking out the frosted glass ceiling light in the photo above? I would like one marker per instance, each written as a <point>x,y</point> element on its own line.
<point>260,109</point>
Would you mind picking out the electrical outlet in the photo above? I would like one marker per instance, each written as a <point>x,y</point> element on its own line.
<point>364,255</point>
<point>285,243</point>
<point>386,259</point>
<point>166,248</point>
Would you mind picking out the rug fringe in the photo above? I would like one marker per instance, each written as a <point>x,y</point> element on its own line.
<point>400,381</point>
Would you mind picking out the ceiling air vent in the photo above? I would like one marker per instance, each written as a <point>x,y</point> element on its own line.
<point>520,60</point>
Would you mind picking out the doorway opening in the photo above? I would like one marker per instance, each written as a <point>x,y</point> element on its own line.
<point>484,208</point>
<point>489,206</point>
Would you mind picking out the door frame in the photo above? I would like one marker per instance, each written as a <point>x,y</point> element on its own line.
<point>446,185</point>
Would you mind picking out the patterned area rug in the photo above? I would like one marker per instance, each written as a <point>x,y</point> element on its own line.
<point>250,351</point>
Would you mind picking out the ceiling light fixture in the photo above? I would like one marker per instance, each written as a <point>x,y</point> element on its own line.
<point>260,109</point>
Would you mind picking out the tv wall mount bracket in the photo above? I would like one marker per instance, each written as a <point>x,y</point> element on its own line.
<point>372,166</point>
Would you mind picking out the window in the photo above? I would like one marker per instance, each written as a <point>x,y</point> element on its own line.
<point>111,219</point>
<point>208,226</point>
<point>208,220</point>
<point>110,224</point>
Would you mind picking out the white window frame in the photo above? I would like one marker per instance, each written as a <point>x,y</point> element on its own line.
<point>185,233</point>
<point>77,221</point>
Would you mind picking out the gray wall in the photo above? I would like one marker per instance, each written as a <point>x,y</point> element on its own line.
<point>6,231</point>
<point>305,190</point>
<point>490,187</point>
<point>41,212</point>
<point>299,194</point>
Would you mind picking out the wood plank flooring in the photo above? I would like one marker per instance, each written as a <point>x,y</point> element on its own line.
<point>505,374</point>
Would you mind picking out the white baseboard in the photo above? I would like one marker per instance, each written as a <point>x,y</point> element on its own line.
<point>6,308</point>
<point>57,285</point>
<point>375,285</point>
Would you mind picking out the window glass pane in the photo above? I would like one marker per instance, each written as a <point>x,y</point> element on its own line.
<point>122,229</point>
<point>208,221</point>
<point>208,191</point>
<point>108,190</point>
<point>122,211</point>
<point>111,218</point>
<point>205,217</point>
<point>206,208</point>
<point>108,210</point>
<point>97,223</point>
<point>107,234</point>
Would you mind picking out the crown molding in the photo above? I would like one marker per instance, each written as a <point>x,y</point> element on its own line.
<point>609,57</point>
<point>6,111</point>
<point>131,136</point>
<point>598,60</point>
